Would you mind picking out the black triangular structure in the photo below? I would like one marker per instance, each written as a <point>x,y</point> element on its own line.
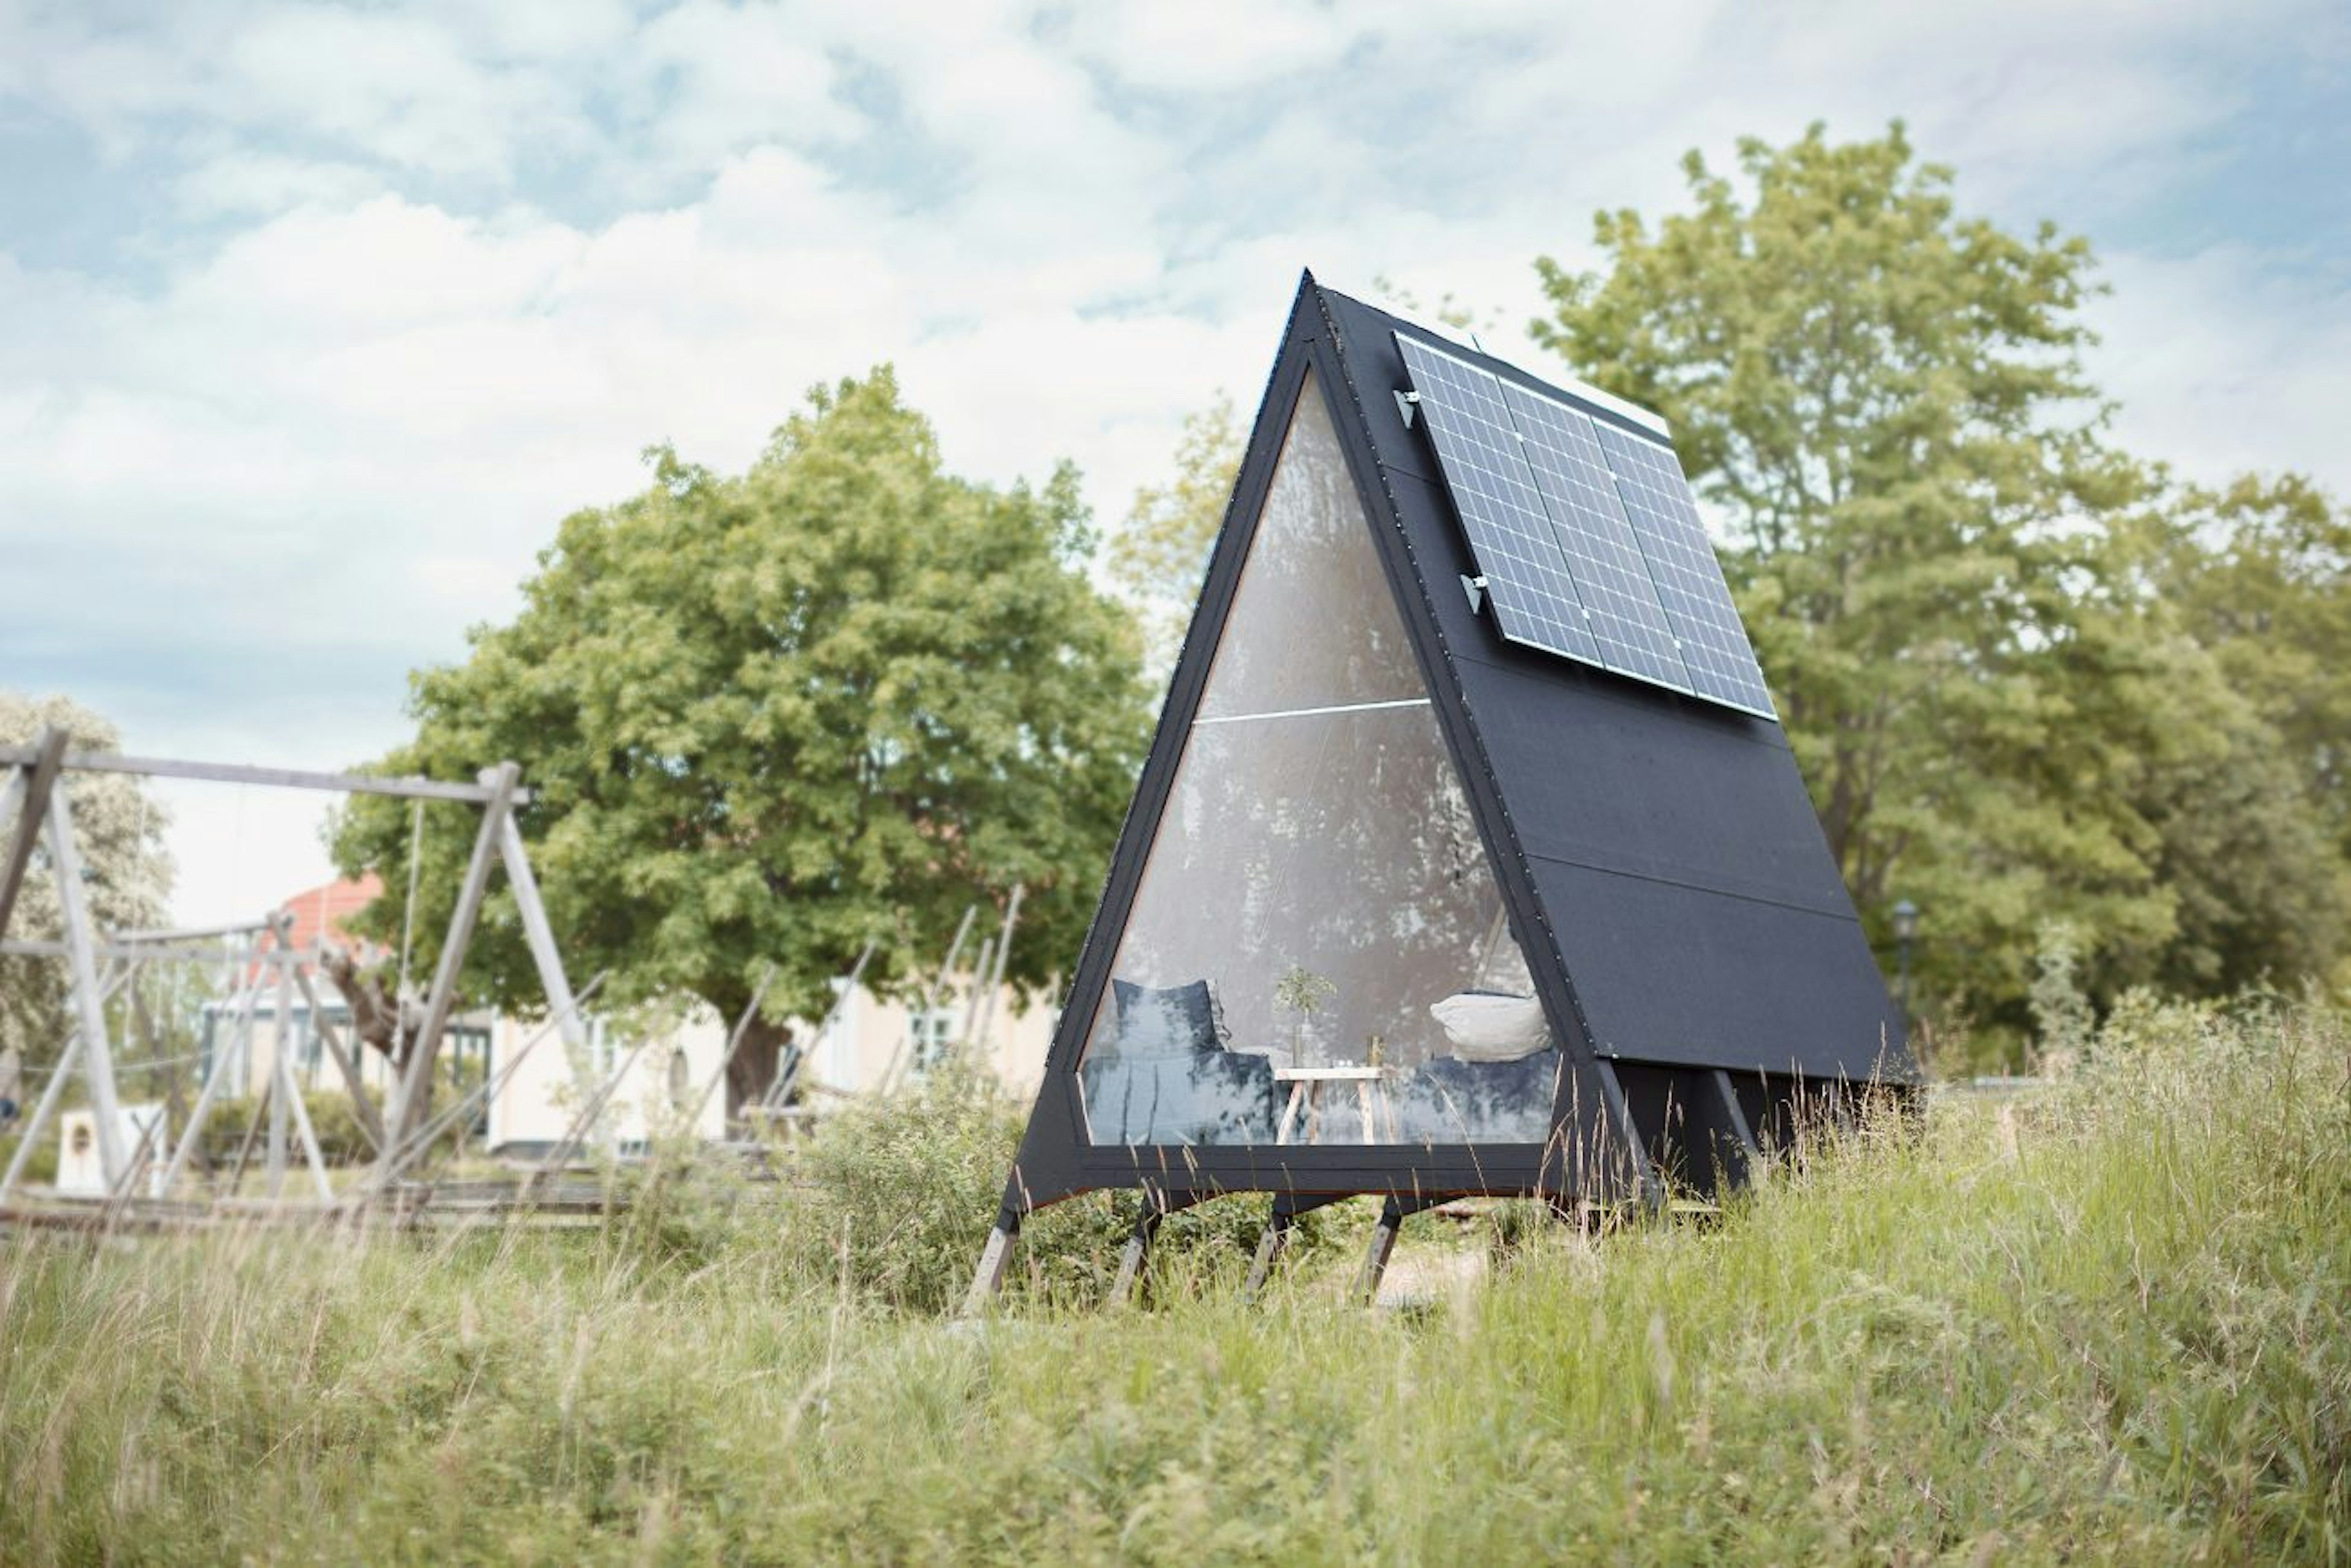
<point>1369,825</point>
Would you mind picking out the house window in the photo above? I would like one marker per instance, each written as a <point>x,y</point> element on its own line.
<point>928,1035</point>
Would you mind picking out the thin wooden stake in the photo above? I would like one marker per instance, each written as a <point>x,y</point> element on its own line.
<point>996,980</point>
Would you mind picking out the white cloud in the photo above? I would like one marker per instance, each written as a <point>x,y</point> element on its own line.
<point>454,265</point>
<point>2225,366</point>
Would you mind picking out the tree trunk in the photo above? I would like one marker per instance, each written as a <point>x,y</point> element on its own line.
<point>385,1023</point>
<point>753,1071</point>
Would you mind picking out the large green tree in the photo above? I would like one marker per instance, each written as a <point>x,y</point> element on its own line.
<point>766,718</point>
<point>1159,555</point>
<point>1882,400</point>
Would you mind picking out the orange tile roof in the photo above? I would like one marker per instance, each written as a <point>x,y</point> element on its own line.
<point>321,911</point>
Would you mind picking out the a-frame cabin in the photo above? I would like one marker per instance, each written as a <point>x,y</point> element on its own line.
<point>1468,858</point>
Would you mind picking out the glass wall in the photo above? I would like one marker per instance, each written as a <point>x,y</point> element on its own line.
<point>1318,952</point>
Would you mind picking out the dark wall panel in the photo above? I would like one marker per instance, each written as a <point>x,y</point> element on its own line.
<point>1698,915</point>
<point>1681,974</point>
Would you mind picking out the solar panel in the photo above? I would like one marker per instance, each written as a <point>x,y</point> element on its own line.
<point>1588,537</point>
<point>1534,598</point>
<point>1715,649</point>
<point>1603,556</point>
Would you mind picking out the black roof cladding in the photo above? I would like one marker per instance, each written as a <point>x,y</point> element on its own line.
<point>1682,874</point>
<point>1659,861</point>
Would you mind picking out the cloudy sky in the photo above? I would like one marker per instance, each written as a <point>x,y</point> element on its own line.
<point>314,320</point>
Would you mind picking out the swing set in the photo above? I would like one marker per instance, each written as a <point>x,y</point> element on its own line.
<point>36,809</point>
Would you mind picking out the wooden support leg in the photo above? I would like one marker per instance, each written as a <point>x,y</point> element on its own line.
<point>281,1072</point>
<point>989,1278</point>
<point>1375,1258</point>
<point>1270,1244</point>
<point>1275,1240</point>
<point>1137,1248</point>
<point>1637,1148</point>
<point>1758,1170</point>
<point>1156,1207</point>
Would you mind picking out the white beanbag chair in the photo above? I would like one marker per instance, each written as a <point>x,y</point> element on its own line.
<point>1482,1027</point>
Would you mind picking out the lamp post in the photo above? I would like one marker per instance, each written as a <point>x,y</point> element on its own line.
<point>1905,931</point>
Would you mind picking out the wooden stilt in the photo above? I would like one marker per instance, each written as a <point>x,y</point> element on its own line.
<point>989,1278</point>
<point>1637,1148</point>
<point>1137,1248</point>
<point>1156,1207</point>
<point>1375,1258</point>
<point>1757,1169</point>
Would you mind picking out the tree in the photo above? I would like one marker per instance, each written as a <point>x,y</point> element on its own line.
<point>118,831</point>
<point>2260,571</point>
<point>1884,400</point>
<point>766,717</point>
<point>1159,555</point>
<point>2242,598</point>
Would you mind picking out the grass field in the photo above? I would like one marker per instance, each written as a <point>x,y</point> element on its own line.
<point>2109,1324</point>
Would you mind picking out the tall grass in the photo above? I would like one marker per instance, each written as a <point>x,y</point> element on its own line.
<point>2109,1324</point>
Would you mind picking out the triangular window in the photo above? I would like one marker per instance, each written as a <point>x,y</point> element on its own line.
<point>1317,952</point>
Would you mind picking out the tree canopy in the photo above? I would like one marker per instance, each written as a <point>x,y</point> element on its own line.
<point>1159,554</point>
<point>766,718</point>
<point>1976,612</point>
<point>118,831</point>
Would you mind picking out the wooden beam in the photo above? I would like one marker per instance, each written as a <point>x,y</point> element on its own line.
<point>275,778</point>
<point>140,952</point>
<point>989,1278</point>
<point>199,933</point>
<point>540,934</point>
<point>239,1044</point>
<point>43,762</point>
<point>346,1063</point>
<point>443,995</point>
<point>97,1072</point>
<point>1757,1170</point>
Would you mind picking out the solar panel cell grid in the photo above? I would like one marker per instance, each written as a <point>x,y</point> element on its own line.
<point>1588,537</point>
<point>1534,598</point>
<point>1689,583</point>
<point>1603,556</point>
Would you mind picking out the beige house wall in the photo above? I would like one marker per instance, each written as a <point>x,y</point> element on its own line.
<point>870,1039</point>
